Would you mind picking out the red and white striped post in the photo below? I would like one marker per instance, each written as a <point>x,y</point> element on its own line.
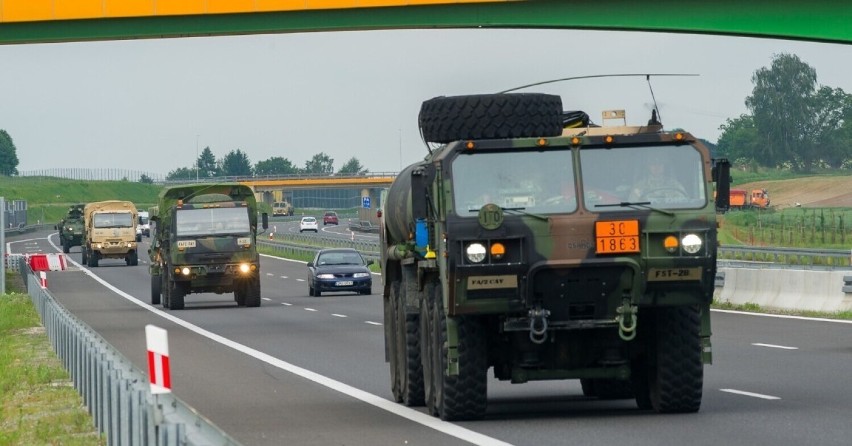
<point>42,279</point>
<point>159,373</point>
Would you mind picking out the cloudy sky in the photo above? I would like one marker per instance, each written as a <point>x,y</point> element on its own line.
<point>149,105</point>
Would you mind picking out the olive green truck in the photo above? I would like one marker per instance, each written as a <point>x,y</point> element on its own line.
<point>205,241</point>
<point>520,244</point>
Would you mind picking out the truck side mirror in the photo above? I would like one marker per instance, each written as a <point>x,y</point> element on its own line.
<point>264,220</point>
<point>722,177</point>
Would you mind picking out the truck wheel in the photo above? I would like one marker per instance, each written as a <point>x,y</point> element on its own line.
<point>427,347</point>
<point>240,295</point>
<point>155,289</point>
<point>66,246</point>
<point>165,289</point>
<point>410,368</point>
<point>463,396</point>
<point>93,259</point>
<point>252,287</point>
<point>490,116</point>
<point>176,296</point>
<point>677,373</point>
<point>83,255</point>
<point>133,258</point>
<point>391,340</point>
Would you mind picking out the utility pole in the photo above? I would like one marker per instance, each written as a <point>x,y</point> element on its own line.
<point>196,158</point>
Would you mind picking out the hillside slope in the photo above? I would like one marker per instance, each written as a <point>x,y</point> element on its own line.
<point>829,191</point>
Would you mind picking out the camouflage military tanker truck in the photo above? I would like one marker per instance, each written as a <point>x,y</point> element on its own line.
<point>520,244</point>
<point>205,241</point>
<point>71,228</point>
<point>109,232</point>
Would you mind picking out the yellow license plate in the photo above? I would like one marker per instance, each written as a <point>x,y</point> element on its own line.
<point>617,237</point>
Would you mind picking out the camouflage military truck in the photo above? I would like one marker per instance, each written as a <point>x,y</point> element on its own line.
<point>282,208</point>
<point>205,241</point>
<point>109,232</point>
<point>71,228</point>
<point>513,246</point>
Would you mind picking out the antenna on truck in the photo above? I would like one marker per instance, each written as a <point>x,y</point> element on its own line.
<point>593,76</point>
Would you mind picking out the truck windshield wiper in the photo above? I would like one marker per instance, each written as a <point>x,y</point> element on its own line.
<point>517,211</point>
<point>635,204</point>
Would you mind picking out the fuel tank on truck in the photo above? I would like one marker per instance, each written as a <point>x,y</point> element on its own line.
<point>397,213</point>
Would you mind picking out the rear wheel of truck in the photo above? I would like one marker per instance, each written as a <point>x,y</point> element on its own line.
<point>427,349</point>
<point>66,246</point>
<point>84,256</point>
<point>93,259</point>
<point>463,396</point>
<point>391,340</point>
<point>132,259</point>
<point>156,287</point>
<point>408,343</point>
<point>676,375</point>
<point>490,116</point>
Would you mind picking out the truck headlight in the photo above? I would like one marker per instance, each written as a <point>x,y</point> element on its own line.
<point>244,268</point>
<point>475,252</point>
<point>691,243</point>
<point>185,271</point>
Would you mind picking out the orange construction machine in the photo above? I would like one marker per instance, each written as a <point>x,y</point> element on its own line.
<point>743,199</point>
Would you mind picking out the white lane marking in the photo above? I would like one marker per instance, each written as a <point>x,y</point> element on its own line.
<point>285,303</point>
<point>752,394</point>
<point>283,277</point>
<point>338,315</point>
<point>785,316</point>
<point>373,400</point>
<point>310,309</point>
<point>266,299</point>
<point>372,323</point>
<point>301,280</point>
<point>783,347</point>
<point>270,274</point>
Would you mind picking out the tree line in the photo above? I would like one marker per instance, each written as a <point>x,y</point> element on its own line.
<point>236,163</point>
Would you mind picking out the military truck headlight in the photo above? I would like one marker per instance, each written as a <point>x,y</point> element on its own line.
<point>185,271</point>
<point>691,243</point>
<point>475,252</point>
<point>244,268</point>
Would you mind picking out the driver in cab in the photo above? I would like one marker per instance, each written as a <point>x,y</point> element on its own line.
<point>657,182</point>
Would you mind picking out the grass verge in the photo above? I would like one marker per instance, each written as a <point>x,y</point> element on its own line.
<point>38,402</point>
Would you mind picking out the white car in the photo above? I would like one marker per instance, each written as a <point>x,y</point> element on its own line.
<point>308,224</point>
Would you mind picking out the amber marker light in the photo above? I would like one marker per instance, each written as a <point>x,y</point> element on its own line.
<point>609,139</point>
<point>498,251</point>
<point>541,142</point>
<point>678,136</point>
<point>670,243</point>
<point>469,145</point>
<point>575,141</point>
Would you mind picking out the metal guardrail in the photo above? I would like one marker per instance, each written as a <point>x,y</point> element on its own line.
<point>787,256</point>
<point>116,393</point>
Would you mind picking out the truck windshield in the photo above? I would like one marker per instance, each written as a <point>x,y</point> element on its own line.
<point>212,221</point>
<point>534,181</point>
<point>663,177</point>
<point>112,220</point>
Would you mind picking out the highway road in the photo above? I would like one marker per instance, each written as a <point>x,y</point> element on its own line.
<point>310,371</point>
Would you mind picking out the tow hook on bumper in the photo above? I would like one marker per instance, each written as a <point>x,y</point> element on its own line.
<point>627,319</point>
<point>538,324</point>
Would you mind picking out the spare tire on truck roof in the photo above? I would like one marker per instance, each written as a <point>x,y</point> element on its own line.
<point>445,119</point>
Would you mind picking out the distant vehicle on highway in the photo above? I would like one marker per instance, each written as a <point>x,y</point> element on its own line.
<point>308,224</point>
<point>339,269</point>
<point>363,226</point>
<point>330,218</point>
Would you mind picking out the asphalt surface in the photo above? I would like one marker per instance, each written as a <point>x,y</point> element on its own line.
<point>311,371</point>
